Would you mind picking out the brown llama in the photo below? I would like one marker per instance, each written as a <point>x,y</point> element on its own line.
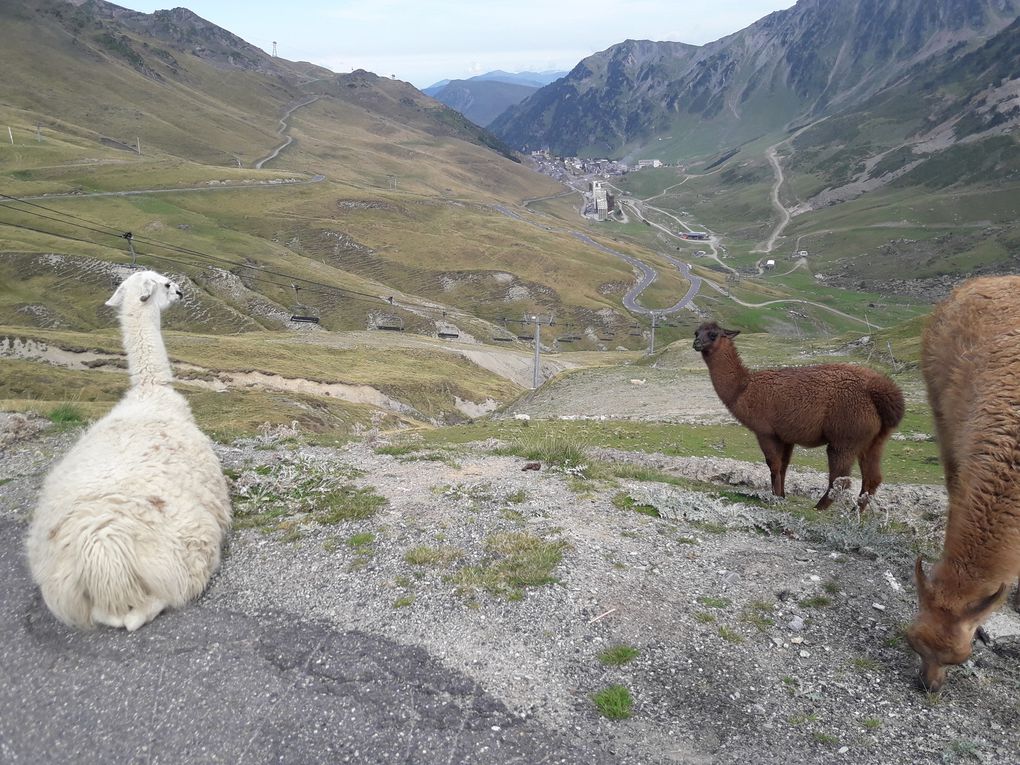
<point>970,358</point>
<point>852,410</point>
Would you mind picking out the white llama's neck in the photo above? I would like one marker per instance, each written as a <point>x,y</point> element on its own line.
<point>147,360</point>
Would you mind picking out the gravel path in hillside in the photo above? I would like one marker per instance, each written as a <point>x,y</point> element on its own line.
<point>758,637</point>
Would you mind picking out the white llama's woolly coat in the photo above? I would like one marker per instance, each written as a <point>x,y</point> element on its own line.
<point>131,520</point>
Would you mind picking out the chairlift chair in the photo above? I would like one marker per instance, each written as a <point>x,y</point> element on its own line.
<point>302,313</point>
<point>446,330</point>
<point>390,323</point>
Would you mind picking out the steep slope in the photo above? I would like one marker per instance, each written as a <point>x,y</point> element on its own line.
<point>368,189</point>
<point>809,60</point>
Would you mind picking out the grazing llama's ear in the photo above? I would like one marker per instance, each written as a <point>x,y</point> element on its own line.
<point>731,333</point>
<point>117,299</point>
<point>979,608</point>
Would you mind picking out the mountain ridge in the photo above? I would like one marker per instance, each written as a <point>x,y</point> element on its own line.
<point>803,61</point>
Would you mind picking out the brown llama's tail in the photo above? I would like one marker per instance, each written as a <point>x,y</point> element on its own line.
<point>888,401</point>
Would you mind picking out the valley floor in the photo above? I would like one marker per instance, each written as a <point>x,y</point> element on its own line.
<point>448,605</point>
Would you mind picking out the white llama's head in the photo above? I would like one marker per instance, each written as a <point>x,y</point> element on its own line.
<point>146,287</point>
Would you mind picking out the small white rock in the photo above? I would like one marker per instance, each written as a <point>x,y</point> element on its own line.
<point>804,654</point>
<point>878,606</point>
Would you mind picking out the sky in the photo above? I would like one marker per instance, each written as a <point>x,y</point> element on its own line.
<point>430,40</point>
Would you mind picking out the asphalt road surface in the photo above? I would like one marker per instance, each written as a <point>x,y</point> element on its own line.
<point>210,685</point>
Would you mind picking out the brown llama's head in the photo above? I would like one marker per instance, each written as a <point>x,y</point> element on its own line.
<point>706,336</point>
<point>943,636</point>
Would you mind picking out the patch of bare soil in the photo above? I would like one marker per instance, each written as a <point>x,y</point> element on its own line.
<point>759,638</point>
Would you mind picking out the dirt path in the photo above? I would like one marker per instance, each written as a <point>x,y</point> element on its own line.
<point>772,153</point>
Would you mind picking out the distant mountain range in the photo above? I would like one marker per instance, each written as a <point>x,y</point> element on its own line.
<point>483,98</point>
<point>815,59</point>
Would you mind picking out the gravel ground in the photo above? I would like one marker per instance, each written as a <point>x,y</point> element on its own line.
<point>758,638</point>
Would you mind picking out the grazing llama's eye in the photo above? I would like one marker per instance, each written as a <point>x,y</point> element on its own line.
<point>168,285</point>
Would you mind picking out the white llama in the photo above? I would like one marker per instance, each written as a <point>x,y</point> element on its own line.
<point>131,520</point>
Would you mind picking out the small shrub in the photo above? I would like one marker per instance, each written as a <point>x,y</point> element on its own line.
<point>614,702</point>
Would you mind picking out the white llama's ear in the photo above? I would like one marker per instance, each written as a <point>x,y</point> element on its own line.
<point>148,287</point>
<point>117,299</point>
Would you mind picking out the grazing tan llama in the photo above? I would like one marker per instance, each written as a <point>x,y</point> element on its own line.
<point>852,410</point>
<point>971,363</point>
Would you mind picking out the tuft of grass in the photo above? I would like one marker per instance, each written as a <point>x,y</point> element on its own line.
<point>403,601</point>
<point>730,634</point>
<point>624,501</point>
<point>825,738</point>
<point>293,534</point>
<point>361,539</point>
<point>517,497</point>
<point>871,723</point>
<point>397,450</point>
<point>614,702</point>
<point>548,448</point>
<point>66,414</point>
<point>424,555</point>
<point>515,560</point>
<point>618,655</point>
<point>704,617</point>
<point>348,503</point>
<point>816,601</point>
<point>713,602</point>
<point>330,544</point>
<point>865,664</point>
<point>831,586</point>
<point>757,614</point>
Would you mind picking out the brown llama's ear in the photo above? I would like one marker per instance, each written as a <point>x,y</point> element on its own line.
<point>731,333</point>
<point>979,608</point>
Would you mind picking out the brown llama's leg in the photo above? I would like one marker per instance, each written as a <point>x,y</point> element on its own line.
<point>841,461</point>
<point>772,448</point>
<point>787,454</point>
<point>870,461</point>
